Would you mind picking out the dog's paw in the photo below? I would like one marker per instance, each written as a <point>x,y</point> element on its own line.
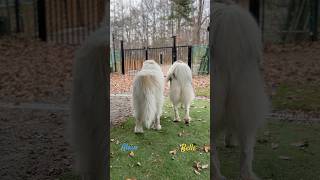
<point>176,120</point>
<point>153,126</point>
<point>138,129</point>
<point>187,120</point>
<point>158,127</point>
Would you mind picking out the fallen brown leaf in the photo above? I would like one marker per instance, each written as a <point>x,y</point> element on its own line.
<point>131,154</point>
<point>274,145</point>
<point>196,165</point>
<point>173,152</point>
<point>285,158</point>
<point>206,148</point>
<point>205,166</point>
<point>197,172</point>
<point>301,144</point>
<point>131,178</point>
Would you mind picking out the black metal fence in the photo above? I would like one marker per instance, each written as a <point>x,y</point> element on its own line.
<point>61,21</point>
<point>131,60</point>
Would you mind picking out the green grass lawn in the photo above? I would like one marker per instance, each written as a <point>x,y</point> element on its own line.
<point>304,162</point>
<point>154,147</point>
<point>203,92</point>
<point>296,97</point>
<point>287,97</point>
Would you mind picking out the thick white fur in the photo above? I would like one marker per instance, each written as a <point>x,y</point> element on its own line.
<point>239,101</point>
<point>181,89</point>
<point>148,87</point>
<point>89,124</point>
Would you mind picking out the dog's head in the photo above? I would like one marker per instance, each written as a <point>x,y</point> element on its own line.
<point>150,61</point>
<point>151,65</point>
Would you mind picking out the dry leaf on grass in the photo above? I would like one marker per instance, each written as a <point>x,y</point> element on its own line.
<point>301,144</point>
<point>131,178</point>
<point>131,154</point>
<point>205,166</point>
<point>206,148</point>
<point>138,163</point>
<point>197,172</point>
<point>196,165</point>
<point>274,145</point>
<point>173,152</point>
<point>285,157</point>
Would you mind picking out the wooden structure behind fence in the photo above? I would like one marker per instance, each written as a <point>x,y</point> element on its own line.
<point>61,21</point>
<point>71,21</point>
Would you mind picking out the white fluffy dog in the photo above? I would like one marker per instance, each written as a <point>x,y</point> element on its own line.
<point>239,101</point>
<point>148,87</point>
<point>181,89</point>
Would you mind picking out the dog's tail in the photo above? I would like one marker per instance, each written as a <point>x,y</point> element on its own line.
<point>145,91</point>
<point>170,73</point>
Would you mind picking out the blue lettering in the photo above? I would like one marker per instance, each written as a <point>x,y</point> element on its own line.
<point>126,147</point>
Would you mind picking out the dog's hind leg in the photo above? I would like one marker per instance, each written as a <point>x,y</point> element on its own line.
<point>157,122</point>
<point>176,113</point>
<point>246,157</point>
<point>139,126</point>
<point>187,117</point>
<point>215,162</point>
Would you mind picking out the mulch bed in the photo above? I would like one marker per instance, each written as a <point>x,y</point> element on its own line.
<point>292,64</point>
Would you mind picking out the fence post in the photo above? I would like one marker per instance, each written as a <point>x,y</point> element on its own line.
<point>161,58</point>
<point>114,54</point>
<point>146,53</point>
<point>17,12</point>
<point>42,20</point>
<point>208,62</point>
<point>190,56</point>
<point>122,57</point>
<point>174,50</point>
<point>315,20</point>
